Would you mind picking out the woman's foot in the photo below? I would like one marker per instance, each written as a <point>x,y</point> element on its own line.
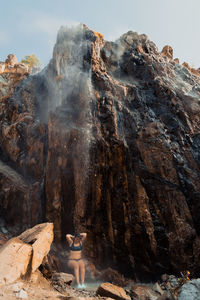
<point>81,286</point>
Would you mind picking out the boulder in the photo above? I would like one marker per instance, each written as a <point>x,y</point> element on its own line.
<point>62,278</point>
<point>142,292</point>
<point>113,291</point>
<point>113,276</point>
<point>15,256</point>
<point>167,51</point>
<point>11,60</point>
<point>21,68</point>
<point>17,287</point>
<point>190,290</point>
<point>40,238</point>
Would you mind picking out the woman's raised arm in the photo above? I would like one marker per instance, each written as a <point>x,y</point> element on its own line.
<point>83,236</point>
<point>69,238</point>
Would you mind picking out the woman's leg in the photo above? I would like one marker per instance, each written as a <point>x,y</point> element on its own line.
<point>82,270</point>
<point>74,265</point>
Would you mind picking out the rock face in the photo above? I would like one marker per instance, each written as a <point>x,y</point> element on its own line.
<point>106,140</point>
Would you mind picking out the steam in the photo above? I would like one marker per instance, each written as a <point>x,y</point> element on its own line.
<point>70,87</point>
<point>70,92</point>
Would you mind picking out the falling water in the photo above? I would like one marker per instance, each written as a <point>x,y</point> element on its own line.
<point>70,96</point>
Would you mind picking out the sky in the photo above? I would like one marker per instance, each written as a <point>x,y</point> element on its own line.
<point>30,26</point>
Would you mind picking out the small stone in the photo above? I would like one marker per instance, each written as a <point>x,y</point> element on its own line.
<point>22,295</point>
<point>4,230</point>
<point>17,287</point>
<point>157,288</point>
<point>165,277</point>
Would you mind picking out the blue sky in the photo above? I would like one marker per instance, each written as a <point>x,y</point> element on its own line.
<point>30,26</point>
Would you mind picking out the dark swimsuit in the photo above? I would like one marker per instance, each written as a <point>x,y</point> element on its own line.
<point>75,248</point>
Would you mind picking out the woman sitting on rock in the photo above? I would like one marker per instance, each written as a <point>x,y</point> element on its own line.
<point>75,261</point>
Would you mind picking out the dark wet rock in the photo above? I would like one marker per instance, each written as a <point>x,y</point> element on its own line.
<point>3,239</point>
<point>62,278</point>
<point>106,140</point>
<point>165,296</point>
<point>142,292</point>
<point>45,268</point>
<point>113,276</point>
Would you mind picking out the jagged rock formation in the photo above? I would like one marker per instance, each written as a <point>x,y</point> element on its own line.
<point>106,140</point>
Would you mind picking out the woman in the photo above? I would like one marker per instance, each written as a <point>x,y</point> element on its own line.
<point>75,261</point>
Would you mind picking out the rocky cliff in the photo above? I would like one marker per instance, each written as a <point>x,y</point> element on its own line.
<point>106,140</point>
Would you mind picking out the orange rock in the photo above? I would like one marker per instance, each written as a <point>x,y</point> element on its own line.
<point>14,257</point>
<point>40,237</point>
<point>167,51</point>
<point>11,60</point>
<point>186,65</point>
<point>113,291</point>
<point>99,35</point>
<point>176,60</point>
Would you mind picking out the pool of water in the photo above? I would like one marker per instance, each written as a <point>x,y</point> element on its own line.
<point>90,285</point>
